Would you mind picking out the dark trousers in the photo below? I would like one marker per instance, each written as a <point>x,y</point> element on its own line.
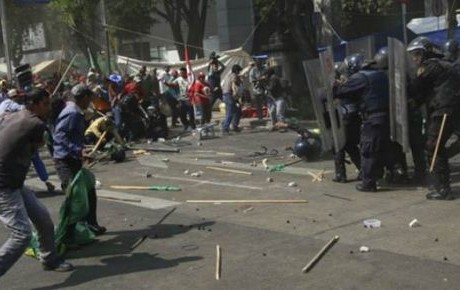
<point>375,139</point>
<point>186,109</point>
<point>352,123</point>
<point>417,141</point>
<point>66,169</point>
<point>441,170</point>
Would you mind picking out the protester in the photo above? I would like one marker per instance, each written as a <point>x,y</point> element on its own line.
<point>232,92</point>
<point>69,147</point>
<point>201,99</point>
<point>257,80</point>
<point>185,106</point>
<point>21,134</point>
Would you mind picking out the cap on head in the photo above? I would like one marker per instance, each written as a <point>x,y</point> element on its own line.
<point>236,68</point>
<point>13,93</point>
<point>80,91</point>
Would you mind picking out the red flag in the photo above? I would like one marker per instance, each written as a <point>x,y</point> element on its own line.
<point>190,74</point>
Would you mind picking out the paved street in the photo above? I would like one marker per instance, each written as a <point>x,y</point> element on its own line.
<point>264,246</point>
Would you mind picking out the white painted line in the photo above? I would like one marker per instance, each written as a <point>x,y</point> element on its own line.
<point>146,201</point>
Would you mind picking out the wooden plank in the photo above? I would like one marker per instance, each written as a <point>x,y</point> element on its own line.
<point>318,256</point>
<point>218,262</point>
<point>229,170</point>
<point>248,201</point>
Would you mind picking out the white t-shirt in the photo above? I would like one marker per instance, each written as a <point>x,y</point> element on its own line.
<point>162,78</point>
<point>183,87</point>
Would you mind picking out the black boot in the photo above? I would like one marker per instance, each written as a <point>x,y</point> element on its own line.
<point>91,218</point>
<point>442,194</point>
<point>339,178</point>
<point>442,188</point>
<point>366,188</point>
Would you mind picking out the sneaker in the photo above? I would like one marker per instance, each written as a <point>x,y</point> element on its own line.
<point>59,265</point>
<point>225,131</point>
<point>97,229</point>
<point>236,129</point>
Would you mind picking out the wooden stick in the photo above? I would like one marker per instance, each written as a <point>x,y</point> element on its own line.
<point>120,199</point>
<point>229,170</point>
<point>218,261</point>
<point>63,76</point>
<point>444,117</point>
<point>130,187</point>
<point>99,142</point>
<point>318,256</point>
<point>249,201</point>
<point>138,242</point>
<point>292,162</point>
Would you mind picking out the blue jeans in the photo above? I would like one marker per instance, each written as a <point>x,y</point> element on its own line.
<point>277,109</point>
<point>17,206</point>
<point>232,112</point>
<point>116,111</point>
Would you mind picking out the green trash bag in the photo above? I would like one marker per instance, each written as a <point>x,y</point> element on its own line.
<point>73,211</point>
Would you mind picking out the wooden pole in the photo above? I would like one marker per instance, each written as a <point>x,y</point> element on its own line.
<point>130,187</point>
<point>435,154</point>
<point>120,199</point>
<point>218,261</point>
<point>318,256</point>
<point>249,201</point>
<point>63,75</point>
<point>99,142</point>
<point>229,170</point>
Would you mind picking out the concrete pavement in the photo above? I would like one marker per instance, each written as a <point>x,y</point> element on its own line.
<point>263,246</point>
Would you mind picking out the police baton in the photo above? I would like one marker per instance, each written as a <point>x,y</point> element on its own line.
<point>444,117</point>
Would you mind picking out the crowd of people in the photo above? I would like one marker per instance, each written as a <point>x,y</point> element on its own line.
<point>433,93</point>
<point>72,114</point>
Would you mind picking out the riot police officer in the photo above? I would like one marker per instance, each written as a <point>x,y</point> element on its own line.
<point>375,133</point>
<point>350,102</point>
<point>439,84</point>
<point>450,50</point>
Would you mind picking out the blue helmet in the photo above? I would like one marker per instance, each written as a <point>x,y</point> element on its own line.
<point>354,62</point>
<point>381,58</point>
<point>450,49</point>
<point>308,148</point>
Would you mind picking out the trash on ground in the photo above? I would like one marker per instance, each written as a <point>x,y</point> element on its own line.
<point>372,223</point>
<point>292,184</point>
<point>364,249</point>
<point>414,223</point>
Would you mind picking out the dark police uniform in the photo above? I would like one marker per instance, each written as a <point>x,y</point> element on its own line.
<point>375,134</point>
<point>349,93</point>
<point>439,84</point>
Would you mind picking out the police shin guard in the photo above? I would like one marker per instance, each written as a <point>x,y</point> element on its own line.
<point>340,171</point>
<point>91,218</point>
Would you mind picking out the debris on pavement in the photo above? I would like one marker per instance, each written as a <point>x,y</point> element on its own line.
<point>248,209</point>
<point>195,174</point>
<point>292,184</point>
<point>269,179</point>
<point>186,172</point>
<point>218,262</point>
<point>320,254</point>
<point>364,249</point>
<point>229,170</point>
<point>138,242</point>
<point>372,223</point>
<point>264,163</point>
<point>414,223</point>
<point>98,184</point>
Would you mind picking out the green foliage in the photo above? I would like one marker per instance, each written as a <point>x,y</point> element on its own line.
<point>367,6</point>
<point>130,14</point>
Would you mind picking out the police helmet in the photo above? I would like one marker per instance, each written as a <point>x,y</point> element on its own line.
<point>424,45</point>
<point>308,148</point>
<point>340,69</point>
<point>450,49</point>
<point>381,58</point>
<point>354,62</point>
<point>118,155</point>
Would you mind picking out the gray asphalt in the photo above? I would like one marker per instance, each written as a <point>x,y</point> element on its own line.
<point>264,246</point>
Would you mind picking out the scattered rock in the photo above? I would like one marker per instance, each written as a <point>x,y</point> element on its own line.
<point>292,155</point>
<point>98,184</point>
<point>414,223</point>
<point>195,174</point>
<point>299,190</point>
<point>197,209</point>
<point>248,209</point>
<point>288,221</point>
<point>269,179</point>
<point>330,214</point>
<point>351,252</point>
<point>436,240</point>
<point>445,258</point>
<point>196,159</point>
<point>264,254</point>
<point>209,230</point>
<point>199,144</point>
<point>186,172</point>
<point>364,249</point>
<point>292,184</point>
<point>165,160</point>
<point>314,221</point>
<point>148,175</point>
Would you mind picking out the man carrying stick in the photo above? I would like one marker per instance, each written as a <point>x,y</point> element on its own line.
<point>69,147</point>
<point>439,85</point>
